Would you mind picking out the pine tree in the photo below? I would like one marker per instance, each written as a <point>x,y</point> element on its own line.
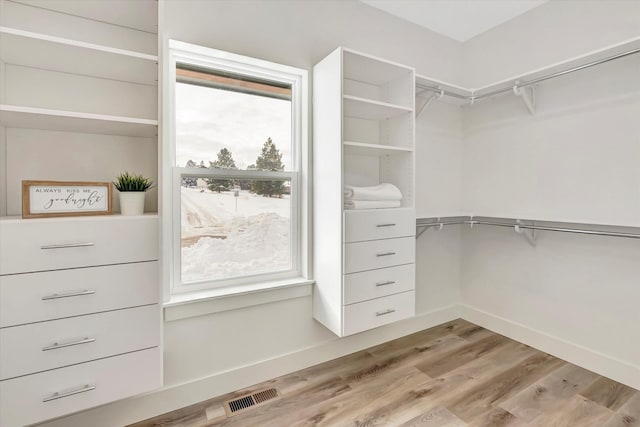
<point>190,181</point>
<point>270,159</point>
<point>224,161</point>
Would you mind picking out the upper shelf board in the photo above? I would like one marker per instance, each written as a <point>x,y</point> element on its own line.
<point>576,61</point>
<point>139,15</point>
<point>372,110</point>
<point>372,70</point>
<point>69,121</point>
<point>363,148</point>
<point>30,49</point>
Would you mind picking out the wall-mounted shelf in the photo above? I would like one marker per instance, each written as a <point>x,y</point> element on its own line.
<point>70,121</point>
<point>517,83</point>
<point>363,148</point>
<point>373,110</point>
<point>43,51</point>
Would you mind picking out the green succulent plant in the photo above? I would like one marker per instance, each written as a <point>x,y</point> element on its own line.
<point>129,182</point>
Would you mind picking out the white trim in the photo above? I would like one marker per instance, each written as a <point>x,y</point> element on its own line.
<point>600,363</point>
<point>180,52</point>
<point>182,306</point>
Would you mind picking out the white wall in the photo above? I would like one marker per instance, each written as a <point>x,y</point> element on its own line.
<point>575,160</point>
<point>212,354</point>
<point>552,32</point>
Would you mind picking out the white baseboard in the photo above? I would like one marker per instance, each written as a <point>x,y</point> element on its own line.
<point>167,399</point>
<point>600,363</point>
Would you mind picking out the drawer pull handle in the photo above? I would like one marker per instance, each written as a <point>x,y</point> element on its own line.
<point>385,225</point>
<point>382,313</point>
<point>386,254</point>
<point>56,395</point>
<point>68,245</point>
<point>68,295</point>
<point>57,345</point>
<point>388,282</point>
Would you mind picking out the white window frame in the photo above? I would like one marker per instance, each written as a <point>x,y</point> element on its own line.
<point>177,52</point>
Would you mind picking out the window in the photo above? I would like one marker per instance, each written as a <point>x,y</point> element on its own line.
<point>236,161</point>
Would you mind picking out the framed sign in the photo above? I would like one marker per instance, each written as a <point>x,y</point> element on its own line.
<point>43,199</point>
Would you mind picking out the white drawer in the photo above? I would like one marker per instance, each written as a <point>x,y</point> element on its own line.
<point>378,283</point>
<point>35,297</point>
<point>113,378</point>
<point>58,243</point>
<point>362,256</point>
<point>376,224</point>
<point>47,345</point>
<point>377,312</point>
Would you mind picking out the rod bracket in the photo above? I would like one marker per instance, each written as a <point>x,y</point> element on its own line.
<point>429,100</point>
<point>528,95</point>
<point>530,235</point>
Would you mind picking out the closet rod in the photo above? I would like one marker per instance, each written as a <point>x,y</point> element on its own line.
<point>444,92</point>
<point>473,222</point>
<point>473,97</point>
<point>554,75</point>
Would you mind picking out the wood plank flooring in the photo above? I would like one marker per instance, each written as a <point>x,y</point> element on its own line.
<point>454,375</point>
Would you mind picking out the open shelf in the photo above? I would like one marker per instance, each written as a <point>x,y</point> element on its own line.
<point>70,56</point>
<point>70,121</point>
<point>352,147</point>
<point>372,70</point>
<point>373,110</point>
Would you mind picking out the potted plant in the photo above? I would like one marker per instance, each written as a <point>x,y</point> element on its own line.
<point>132,189</point>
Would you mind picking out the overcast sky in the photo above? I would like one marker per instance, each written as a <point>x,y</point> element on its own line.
<point>208,120</point>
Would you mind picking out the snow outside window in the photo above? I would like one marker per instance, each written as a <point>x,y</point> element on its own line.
<point>235,172</point>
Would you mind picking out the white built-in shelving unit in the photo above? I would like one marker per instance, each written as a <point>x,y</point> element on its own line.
<point>78,102</point>
<point>363,129</point>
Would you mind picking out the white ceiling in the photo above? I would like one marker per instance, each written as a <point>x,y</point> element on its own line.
<point>458,19</point>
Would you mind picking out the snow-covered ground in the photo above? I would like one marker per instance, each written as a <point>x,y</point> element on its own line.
<point>218,242</point>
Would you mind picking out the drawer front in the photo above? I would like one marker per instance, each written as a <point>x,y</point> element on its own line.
<point>36,297</point>
<point>362,256</point>
<point>55,244</point>
<point>376,224</point>
<point>113,378</point>
<point>378,283</point>
<point>47,345</point>
<point>377,312</point>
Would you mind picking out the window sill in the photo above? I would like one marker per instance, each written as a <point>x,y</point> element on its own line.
<point>183,306</point>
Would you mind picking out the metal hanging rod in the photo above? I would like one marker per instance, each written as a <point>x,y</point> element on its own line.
<point>471,222</point>
<point>554,75</point>
<point>441,91</point>
<point>473,97</point>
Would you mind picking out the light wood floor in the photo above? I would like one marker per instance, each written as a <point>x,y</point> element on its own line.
<point>456,374</point>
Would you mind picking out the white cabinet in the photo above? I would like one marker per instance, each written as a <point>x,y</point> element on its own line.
<point>363,114</point>
<point>33,398</point>
<point>64,311</point>
<point>80,315</point>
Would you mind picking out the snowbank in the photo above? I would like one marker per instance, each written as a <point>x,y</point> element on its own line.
<point>217,242</point>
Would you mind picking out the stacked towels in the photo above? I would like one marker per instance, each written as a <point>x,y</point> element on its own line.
<point>375,197</point>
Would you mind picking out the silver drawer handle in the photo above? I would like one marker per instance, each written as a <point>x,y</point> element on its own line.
<point>56,395</point>
<point>57,345</point>
<point>68,295</point>
<point>382,313</point>
<point>388,282</point>
<point>386,225</point>
<point>386,254</point>
<point>68,245</point>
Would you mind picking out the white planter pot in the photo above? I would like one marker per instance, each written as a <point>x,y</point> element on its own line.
<point>132,202</point>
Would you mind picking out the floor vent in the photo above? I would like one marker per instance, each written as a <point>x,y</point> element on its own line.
<point>244,403</point>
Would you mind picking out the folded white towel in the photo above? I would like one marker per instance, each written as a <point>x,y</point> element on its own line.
<point>384,191</point>
<point>371,204</point>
